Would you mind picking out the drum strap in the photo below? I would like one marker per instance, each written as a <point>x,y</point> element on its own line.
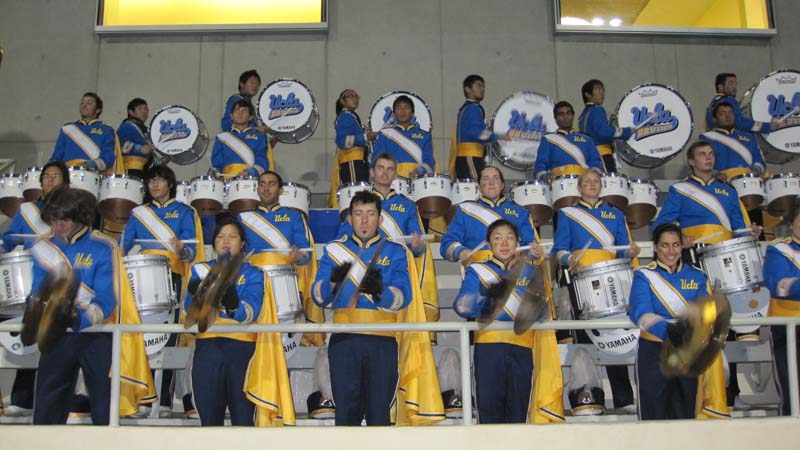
<point>341,255</point>
<point>81,140</point>
<point>33,217</point>
<point>790,254</point>
<point>155,226</point>
<point>389,226</point>
<point>240,148</point>
<point>591,224</point>
<point>264,229</point>
<point>570,148</point>
<point>666,293</point>
<point>732,144</point>
<point>411,147</point>
<point>51,257</point>
<point>488,276</point>
<point>706,200</point>
<point>480,212</point>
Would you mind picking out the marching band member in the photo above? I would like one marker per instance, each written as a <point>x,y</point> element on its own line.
<point>243,150</point>
<point>594,122</point>
<point>602,225</point>
<point>366,278</point>
<point>660,291</point>
<point>565,152</point>
<point>735,152</point>
<point>503,360</point>
<point>725,84</point>
<point>173,230</point>
<point>409,145</point>
<point>104,296</point>
<point>467,150</point>
<point>89,142</point>
<point>221,359</point>
<point>249,82</point>
<point>134,138</point>
<point>350,164</point>
<point>468,228</point>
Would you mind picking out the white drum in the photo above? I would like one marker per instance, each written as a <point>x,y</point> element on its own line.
<point>119,194</point>
<point>288,109</point>
<point>564,191</point>
<point>242,194</point>
<point>465,190</point>
<point>751,190</point>
<point>16,273</point>
<point>179,134</point>
<point>736,264</point>
<point>776,97</point>
<point>782,190</point>
<point>402,185</point>
<point>662,123</point>
<point>382,116</point>
<point>526,117</point>
<point>288,303</point>
<point>642,198</point>
<point>155,342</point>
<point>13,342</point>
<point>432,195</point>
<point>182,192</point>
<point>31,184</point>
<point>346,193</point>
<point>151,281</point>
<point>85,178</point>
<point>297,196</point>
<point>207,195</point>
<point>10,193</point>
<point>749,303</point>
<point>535,196</point>
<point>615,189</point>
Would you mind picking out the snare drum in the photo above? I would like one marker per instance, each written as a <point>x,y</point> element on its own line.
<point>119,194</point>
<point>615,190</point>
<point>285,291</point>
<point>32,184</point>
<point>151,281</point>
<point>242,194</point>
<point>155,342</point>
<point>13,341</point>
<point>288,109</point>
<point>182,192</point>
<point>751,190</point>
<point>16,273</point>
<point>402,185</point>
<point>662,123</point>
<point>432,195</point>
<point>465,190</point>
<point>85,178</point>
<point>179,134</point>
<point>735,263</point>
<point>207,195</point>
<point>535,196</point>
<point>564,191</point>
<point>10,193</point>
<point>642,197</point>
<point>346,193</point>
<point>749,303</point>
<point>381,115</point>
<point>297,196</point>
<point>774,97</point>
<point>782,190</point>
<point>526,117</point>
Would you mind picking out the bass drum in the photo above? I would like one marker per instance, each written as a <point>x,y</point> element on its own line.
<point>776,96</point>
<point>662,123</point>
<point>526,117</point>
<point>288,109</point>
<point>178,134</point>
<point>381,115</point>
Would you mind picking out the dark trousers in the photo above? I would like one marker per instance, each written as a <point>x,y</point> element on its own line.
<point>22,390</point>
<point>779,346</point>
<point>353,172</point>
<point>503,379</point>
<point>168,376</point>
<point>58,373</point>
<point>363,377</point>
<point>609,163</point>
<point>662,398</point>
<point>220,367</point>
<point>469,167</point>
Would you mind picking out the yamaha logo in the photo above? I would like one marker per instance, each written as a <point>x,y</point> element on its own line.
<point>648,93</point>
<point>786,79</point>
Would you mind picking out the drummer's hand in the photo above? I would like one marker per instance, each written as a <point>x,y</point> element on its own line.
<point>294,254</point>
<point>785,286</point>
<point>147,149</point>
<point>463,256</point>
<point>536,250</point>
<point>273,141</point>
<point>688,241</point>
<point>634,250</point>
<point>572,262</point>
<point>261,127</point>
<point>372,135</point>
<point>243,173</point>
<point>177,245</point>
<point>775,124</point>
<point>416,240</point>
<point>755,230</point>
<point>722,177</point>
<point>212,172</point>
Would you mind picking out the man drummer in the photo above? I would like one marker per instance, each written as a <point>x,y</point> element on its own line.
<point>725,84</point>
<point>565,152</point>
<point>603,227</point>
<point>243,150</point>
<point>134,138</point>
<point>89,142</point>
<point>409,145</point>
<point>594,122</point>
<point>467,150</point>
<point>736,152</point>
<point>249,82</point>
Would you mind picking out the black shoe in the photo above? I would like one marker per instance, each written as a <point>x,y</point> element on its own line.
<point>319,407</point>
<point>79,406</point>
<point>189,409</point>
<point>452,405</point>
<point>587,402</point>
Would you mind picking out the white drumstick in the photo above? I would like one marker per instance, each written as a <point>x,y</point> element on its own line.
<point>616,248</point>
<point>160,241</point>
<point>408,237</point>
<point>710,236</point>
<point>469,255</point>
<point>743,230</point>
<point>583,251</point>
<point>285,250</point>
<point>791,113</point>
<point>26,236</point>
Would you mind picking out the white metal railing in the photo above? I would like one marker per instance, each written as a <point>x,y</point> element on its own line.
<point>462,328</point>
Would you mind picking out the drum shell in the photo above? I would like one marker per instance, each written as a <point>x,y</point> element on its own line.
<point>535,197</point>
<point>86,179</point>
<point>564,191</point>
<point>183,192</point>
<point>761,103</point>
<point>346,193</point>
<point>751,190</point>
<point>119,194</point>
<point>402,185</point>
<point>782,191</point>
<point>603,289</point>
<point>285,290</point>
<point>432,195</point>
<point>642,201</point>
<point>32,184</point>
<point>10,193</point>
<point>16,274</point>
<point>207,195</point>
<point>297,196</point>
<point>150,279</point>
<point>242,194</point>
<point>736,263</point>
<point>615,190</point>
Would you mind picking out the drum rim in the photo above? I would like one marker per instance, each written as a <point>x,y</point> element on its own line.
<point>144,257</point>
<point>314,109</point>
<point>778,176</point>
<point>292,183</point>
<point>11,175</point>
<point>16,256</point>
<point>566,175</point>
<point>202,133</point>
<point>82,168</point>
<point>207,178</point>
<point>727,243</point>
<point>517,184</point>
<point>609,263</point>
<point>401,92</point>
<point>614,175</point>
<point>357,183</point>
<point>746,175</point>
<point>243,178</point>
<point>433,175</point>
<point>504,159</point>
<point>278,267</point>
<point>120,176</point>
<point>34,169</point>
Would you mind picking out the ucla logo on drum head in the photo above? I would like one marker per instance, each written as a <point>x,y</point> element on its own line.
<point>280,107</point>
<point>173,131</point>
<point>779,107</point>
<point>648,123</point>
<point>522,128</point>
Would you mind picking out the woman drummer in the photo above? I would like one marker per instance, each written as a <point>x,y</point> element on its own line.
<point>781,271</point>
<point>221,360</point>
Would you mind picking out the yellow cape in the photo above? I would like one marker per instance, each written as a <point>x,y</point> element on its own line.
<point>712,401</point>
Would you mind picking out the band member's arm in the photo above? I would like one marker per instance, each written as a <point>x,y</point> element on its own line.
<point>250,292</point>
<point>641,308</point>
<point>261,162</point>
<point>527,235</point>
<point>670,210</point>
<point>187,232</point>
<point>348,132</point>
<point>598,127</point>
<point>745,123</point>
<point>226,123</point>
<point>301,237</point>
<point>471,297</point>
<point>621,235</point>
<point>397,290</point>
<point>428,157</point>
<point>452,247</point>
<point>194,282</point>
<point>737,213</point>
<point>759,164</point>
<point>322,289</point>
<point>107,154</point>
<point>17,227</point>
<point>415,226</point>
<point>593,156</point>
<point>378,147</point>
<point>781,275</point>
<point>58,150</point>
<point>541,168</point>
<point>472,125</point>
<point>562,239</point>
<point>129,234</point>
<point>106,290</point>
<point>218,156</point>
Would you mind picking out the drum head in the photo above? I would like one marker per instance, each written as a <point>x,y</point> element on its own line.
<point>155,342</point>
<point>527,116</point>
<point>287,108</point>
<point>381,115</point>
<point>13,343</point>
<point>662,121</point>
<point>177,133</point>
<point>748,304</point>
<point>617,342</point>
<point>774,97</point>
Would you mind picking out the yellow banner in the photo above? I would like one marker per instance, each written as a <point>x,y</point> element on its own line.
<point>210,12</point>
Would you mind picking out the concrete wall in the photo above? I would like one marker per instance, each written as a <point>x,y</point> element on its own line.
<point>53,56</point>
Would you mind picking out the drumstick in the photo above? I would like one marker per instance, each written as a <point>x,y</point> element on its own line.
<point>26,236</point>
<point>408,237</point>
<point>743,230</point>
<point>791,113</point>
<point>160,241</point>
<point>469,255</point>
<point>710,236</point>
<point>614,248</point>
<point>583,251</point>
<point>285,250</point>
